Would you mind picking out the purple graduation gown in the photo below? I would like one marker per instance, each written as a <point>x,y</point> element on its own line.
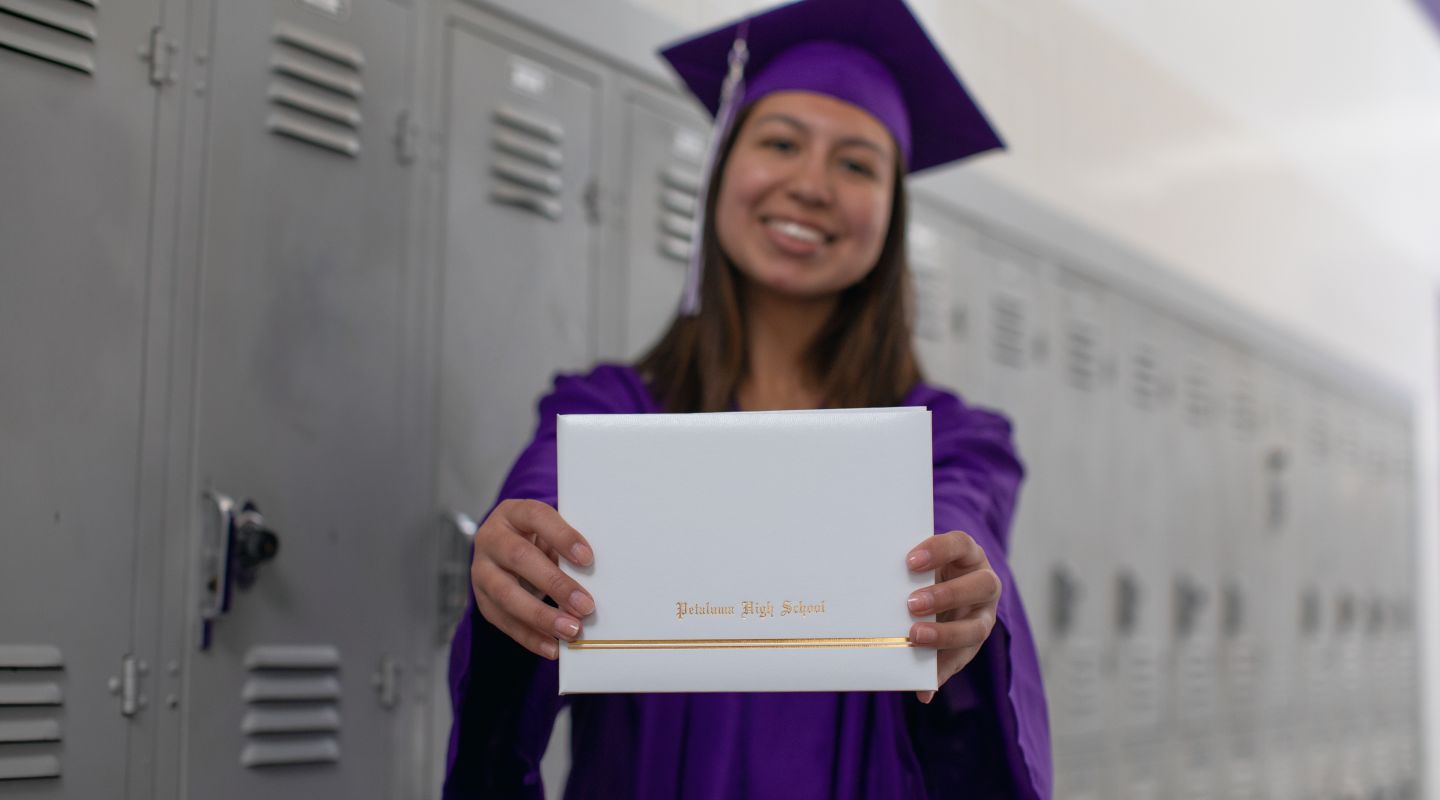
<point>984,735</point>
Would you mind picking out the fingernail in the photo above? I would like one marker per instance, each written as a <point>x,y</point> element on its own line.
<point>566,627</point>
<point>580,554</point>
<point>920,559</point>
<point>581,602</point>
<point>920,602</point>
<point>926,697</point>
<point>922,634</point>
<point>552,651</point>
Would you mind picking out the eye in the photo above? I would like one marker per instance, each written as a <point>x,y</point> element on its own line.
<point>779,144</point>
<point>858,167</point>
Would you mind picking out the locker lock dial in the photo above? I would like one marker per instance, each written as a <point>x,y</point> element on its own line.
<point>254,544</point>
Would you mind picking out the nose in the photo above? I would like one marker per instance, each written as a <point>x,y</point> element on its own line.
<point>810,184</point>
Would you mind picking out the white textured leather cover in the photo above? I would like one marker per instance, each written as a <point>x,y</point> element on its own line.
<point>770,507</point>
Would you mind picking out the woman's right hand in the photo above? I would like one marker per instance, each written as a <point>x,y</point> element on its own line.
<point>517,552</point>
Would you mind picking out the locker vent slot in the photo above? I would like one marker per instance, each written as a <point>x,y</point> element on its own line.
<point>528,160</point>
<point>292,697</point>
<point>1082,363</point>
<point>679,198</point>
<point>315,90</point>
<point>1007,340</point>
<point>1199,398</point>
<point>59,32</point>
<point>1146,389</point>
<point>31,702</point>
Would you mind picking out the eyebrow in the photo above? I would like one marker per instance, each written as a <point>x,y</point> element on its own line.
<point>853,140</point>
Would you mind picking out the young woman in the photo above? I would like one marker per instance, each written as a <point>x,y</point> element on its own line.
<point>800,302</point>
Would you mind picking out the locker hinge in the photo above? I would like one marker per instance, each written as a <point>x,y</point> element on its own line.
<point>407,137</point>
<point>127,685</point>
<point>386,680</point>
<point>159,53</point>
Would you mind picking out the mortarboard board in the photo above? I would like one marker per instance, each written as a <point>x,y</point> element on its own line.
<point>873,54</point>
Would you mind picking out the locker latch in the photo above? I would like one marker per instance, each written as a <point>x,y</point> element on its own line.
<point>159,53</point>
<point>386,680</point>
<point>127,686</point>
<point>457,530</point>
<point>235,546</point>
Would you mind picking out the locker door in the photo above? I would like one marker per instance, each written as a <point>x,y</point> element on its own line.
<point>518,249</point>
<point>1078,495</point>
<point>78,127</point>
<point>1318,608</point>
<point>932,272</point>
<point>1249,558</point>
<point>300,381</point>
<point>1274,610</point>
<point>664,160</point>
<point>1137,623</point>
<point>1194,557</point>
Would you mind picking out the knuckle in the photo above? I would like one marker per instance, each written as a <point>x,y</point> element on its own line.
<point>557,586</point>
<point>990,583</point>
<point>540,616</point>
<point>517,552</point>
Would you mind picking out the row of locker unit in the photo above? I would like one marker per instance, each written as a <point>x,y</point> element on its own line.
<point>282,292</point>
<point>1214,542</point>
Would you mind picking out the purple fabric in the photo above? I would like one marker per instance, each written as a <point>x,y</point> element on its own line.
<point>842,71</point>
<point>985,734</point>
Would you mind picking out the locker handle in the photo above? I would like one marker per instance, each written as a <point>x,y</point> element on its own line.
<point>456,531</point>
<point>1064,595</point>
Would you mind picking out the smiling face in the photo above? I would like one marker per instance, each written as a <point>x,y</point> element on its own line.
<point>805,199</point>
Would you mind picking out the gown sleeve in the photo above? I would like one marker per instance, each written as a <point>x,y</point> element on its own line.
<point>977,480</point>
<point>503,697</point>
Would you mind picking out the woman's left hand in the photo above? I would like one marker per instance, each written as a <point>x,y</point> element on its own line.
<point>963,600</point>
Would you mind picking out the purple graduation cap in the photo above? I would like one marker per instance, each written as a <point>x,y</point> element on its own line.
<point>871,53</point>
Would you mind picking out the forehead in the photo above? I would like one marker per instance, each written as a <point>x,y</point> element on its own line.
<point>822,115</point>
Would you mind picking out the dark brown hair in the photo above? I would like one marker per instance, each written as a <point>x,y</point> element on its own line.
<point>861,357</point>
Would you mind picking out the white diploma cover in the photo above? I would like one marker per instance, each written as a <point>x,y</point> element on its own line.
<point>748,551</point>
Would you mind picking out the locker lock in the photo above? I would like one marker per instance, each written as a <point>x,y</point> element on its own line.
<point>1189,601</point>
<point>1127,603</point>
<point>254,545</point>
<point>1233,610</point>
<point>235,544</point>
<point>1064,595</point>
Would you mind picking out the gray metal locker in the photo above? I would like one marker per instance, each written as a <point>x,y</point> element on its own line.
<point>1249,557</point>
<point>1275,608</point>
<point>79,127</point>
<point>1194,557</point>
<point>1078,500</point>
<point>930,257</point>
<point>517,245</point>
<point>1137,624</point>
<point>289,686</point>
<point>664,141</point>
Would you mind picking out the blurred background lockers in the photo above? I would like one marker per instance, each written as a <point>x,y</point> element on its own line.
<point>295,271</point>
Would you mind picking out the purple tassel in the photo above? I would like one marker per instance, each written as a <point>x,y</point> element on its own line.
<point>730,92</point>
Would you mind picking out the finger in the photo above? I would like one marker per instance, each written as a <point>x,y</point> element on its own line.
<point>505,592</point>
<point>524,635</point>
<point>979,588</point>
<point>953,549</point>
<point>519,556</point>
<point>528,517</point>
<point>969,632</point>
<point>925,697</point>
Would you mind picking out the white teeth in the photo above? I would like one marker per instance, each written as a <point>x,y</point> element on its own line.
<point>796,230</point>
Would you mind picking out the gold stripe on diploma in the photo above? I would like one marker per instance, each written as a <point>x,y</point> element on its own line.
<point>729,644</point>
